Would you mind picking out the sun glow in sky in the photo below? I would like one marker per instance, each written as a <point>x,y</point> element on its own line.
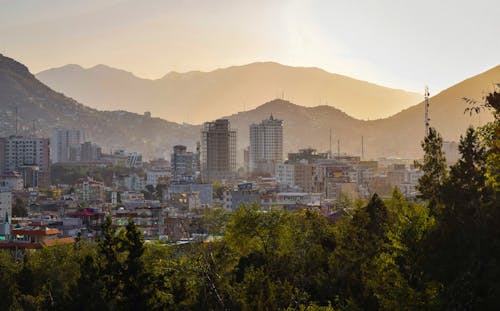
<point>401,44</point>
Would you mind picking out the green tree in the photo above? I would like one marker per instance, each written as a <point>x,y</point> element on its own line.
<point>433,167</point>
<point>19,208</point>
<point>458,257</point>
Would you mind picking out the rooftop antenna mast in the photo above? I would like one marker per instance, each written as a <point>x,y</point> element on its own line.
<point>427,118</point>
<point>362,148</point>
<point>16,119</point>
<point>331,154</point>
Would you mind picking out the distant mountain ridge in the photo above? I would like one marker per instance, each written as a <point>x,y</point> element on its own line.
<point>399,135</point>
<point>196,96</point>
<point>48,109</point>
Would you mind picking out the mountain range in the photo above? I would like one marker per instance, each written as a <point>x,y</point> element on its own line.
<point>195,96</point>
<point>398,135</point>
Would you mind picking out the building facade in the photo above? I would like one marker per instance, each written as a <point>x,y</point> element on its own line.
<point>12,180</point>
<point>28,156</point>
<point>62,140</point>
<point>218,151</point>
<point>184,165</point>
<point>89,190</point>
<point>5,205</point>
<point>266,146</point>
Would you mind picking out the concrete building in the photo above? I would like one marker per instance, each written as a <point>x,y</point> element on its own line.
<point>18,153</point>
<point>124,159</point>
<point>157,176</point>
<point>12,180</point>
<point>285,174</point>
<point>36,235</point>
<point>62,139</point>
<point>5,205</point>
<point>184,165</point>
<point>134,182</point>
<point>308,154</point>
<point>304,176</point>
<point>245,194</point>
<point>205,192</point>
<point>89,190</point>
<point>218,151</point>
<point>90,152</point>
<point>406,179</point>
<point>266,146</point>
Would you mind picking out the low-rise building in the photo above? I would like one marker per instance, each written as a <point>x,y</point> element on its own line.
<point>205,192</point>
<point>12,180</point>
<point>89,190</point>
<point>36,235</point>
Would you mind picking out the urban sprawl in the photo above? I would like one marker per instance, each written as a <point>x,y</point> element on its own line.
<point>166,199</point>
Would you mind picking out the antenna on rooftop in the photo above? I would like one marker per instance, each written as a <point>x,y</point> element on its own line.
<point>16,119</point>
<point>331,154</point>
<point>427,117</point>
<point>362,148</point>
<point>338,148</point>
<point>34,128</point>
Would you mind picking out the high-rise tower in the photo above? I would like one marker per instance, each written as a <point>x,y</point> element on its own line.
<point>266,146</point>
<point>61,142</point>
<point>218,150</point>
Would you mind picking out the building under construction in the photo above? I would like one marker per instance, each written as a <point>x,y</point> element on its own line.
<point>218,151</point>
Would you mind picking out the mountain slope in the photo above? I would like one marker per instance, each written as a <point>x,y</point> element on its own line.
<point>111,129</point>
<point>399,135</point>
<point>199,96</point>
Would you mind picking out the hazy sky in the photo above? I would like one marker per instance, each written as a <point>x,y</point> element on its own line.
<point>403,44</point>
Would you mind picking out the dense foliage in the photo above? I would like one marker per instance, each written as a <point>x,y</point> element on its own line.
<point>442,252</point>
<point>68,173</point>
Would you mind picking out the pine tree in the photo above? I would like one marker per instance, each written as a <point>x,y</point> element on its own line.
<point>433,167</point>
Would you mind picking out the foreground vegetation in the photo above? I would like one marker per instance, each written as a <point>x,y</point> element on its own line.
<point>440,253</point>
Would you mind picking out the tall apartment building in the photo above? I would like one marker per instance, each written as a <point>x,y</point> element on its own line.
<point>218,150</point>
<point>28,156</point>
<point>62,140</point>
<point>266,146</point>
<point>184,165</point>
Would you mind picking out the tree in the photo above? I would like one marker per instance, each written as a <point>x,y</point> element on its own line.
<point>19,208</point>
<point>135,278</point>
<point>359,241</point>
<point>433,167</point>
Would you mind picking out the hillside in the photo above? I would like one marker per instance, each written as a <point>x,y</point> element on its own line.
<point>398,135</point>
<point>110,129</point>
<point>195,97</point>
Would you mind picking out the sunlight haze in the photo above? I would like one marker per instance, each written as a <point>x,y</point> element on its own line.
<point>400,44</point>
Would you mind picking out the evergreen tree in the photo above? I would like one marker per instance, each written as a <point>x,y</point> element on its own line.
<point>135,278</point>
<point>457,254</point>
<point>433,167</point>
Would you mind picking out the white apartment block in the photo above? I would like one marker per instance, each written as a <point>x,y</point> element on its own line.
<point>266,145</point>
<point>285,174</point>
